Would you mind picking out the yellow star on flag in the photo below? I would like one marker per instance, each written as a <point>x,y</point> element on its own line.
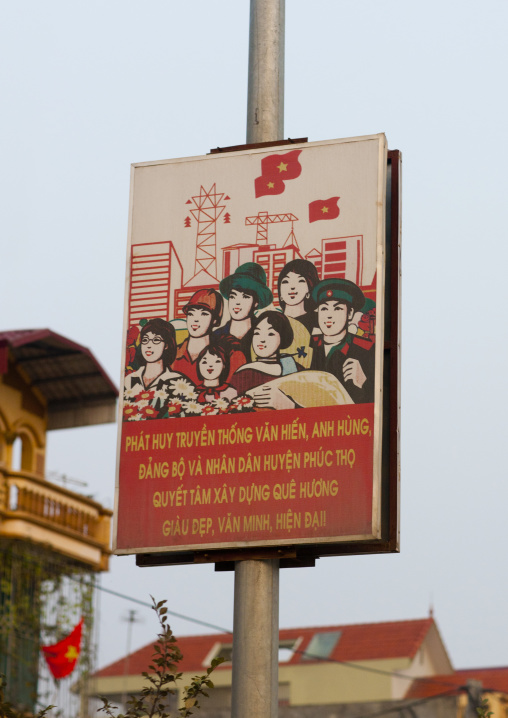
<point>270,185</point>
<point>324,210</point>
<point>72,653</point>
<point>282,167</point>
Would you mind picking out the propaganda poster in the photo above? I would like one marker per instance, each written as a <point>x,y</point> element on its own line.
<point>251,411</point>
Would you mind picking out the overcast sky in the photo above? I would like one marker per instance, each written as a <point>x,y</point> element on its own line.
<point>90,87</point>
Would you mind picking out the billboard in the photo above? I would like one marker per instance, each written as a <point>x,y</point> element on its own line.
<point>252,411</point>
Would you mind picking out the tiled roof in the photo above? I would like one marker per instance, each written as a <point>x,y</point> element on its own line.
<point>492,680</point>
<point>67,374</point>
<point>358,642</point>
<point>370,641</point>
<point>195,649</point>
<point>17,336</point>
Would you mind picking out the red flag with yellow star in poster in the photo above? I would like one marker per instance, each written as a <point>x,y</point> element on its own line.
<point>275,169</point>
<point>324,209</point>
<point>268,185</point>
<point>62,657</point>
<point>286,166</point>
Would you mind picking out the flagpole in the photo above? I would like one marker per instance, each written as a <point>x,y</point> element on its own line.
<point>255,679</point>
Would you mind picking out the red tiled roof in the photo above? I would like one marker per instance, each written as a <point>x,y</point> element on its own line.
<point>17,336</point>
<point>358,642</point>
<point>492,680</point>
<point>370,641</point>
<point>194,648</point>
<point>67,374</point>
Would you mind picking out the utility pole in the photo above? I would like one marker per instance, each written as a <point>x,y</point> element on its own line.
<point>474,698</point>
<point>256,610</point>
<point>131,619</point>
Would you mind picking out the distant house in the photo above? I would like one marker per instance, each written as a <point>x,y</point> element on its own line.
<point>476,683</point>
<point>366,670</point>
<point>53,540</point>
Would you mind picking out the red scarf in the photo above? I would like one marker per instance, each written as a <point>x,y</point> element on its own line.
<point>205,391</point>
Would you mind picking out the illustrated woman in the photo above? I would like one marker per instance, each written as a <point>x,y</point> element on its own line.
<point>203,312</point>
<point>213,370</point>
<point>271,334</point>
<point>158,350</point>
<point>245,291</point>
<point>295,284</point>
<point>154,385</point>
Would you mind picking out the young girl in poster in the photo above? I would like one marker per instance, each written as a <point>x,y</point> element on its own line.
<point>213,369</point>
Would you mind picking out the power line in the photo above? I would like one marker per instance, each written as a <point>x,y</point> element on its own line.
<point>172,613</point>
<point>349,664</point>
<point>371,669</point>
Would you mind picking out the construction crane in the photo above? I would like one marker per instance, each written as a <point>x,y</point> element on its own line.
<point>263,219</point>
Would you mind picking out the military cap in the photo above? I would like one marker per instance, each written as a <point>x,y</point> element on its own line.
<point>340,290</point>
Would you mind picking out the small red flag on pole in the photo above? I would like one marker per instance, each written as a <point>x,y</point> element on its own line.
<point>62,657</point>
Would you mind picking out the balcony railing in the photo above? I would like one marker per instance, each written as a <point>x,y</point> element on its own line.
<point>35,501</point>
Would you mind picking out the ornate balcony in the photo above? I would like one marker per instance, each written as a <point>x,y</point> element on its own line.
<point>33,509</point>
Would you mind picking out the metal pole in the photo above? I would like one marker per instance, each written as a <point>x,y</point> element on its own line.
<point>256,613</point>
<point>256,640</point>
<point>265,102</point>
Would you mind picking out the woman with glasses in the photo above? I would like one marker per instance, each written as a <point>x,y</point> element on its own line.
<point>154,390</point>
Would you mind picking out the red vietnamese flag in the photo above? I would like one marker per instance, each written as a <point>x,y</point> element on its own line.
<point>284,166</point>
<point>62,657</point>
<point>275,169</point>
<point>324,209</point>
<point>268,185</point>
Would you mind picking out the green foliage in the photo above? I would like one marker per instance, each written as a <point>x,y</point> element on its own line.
<point>483,709</point>
<point>163,677</point>
<point>7,710</point>
<point>162,680</point>
<point>42,596</point>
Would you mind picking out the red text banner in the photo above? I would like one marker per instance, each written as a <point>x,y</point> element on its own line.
<point>256,479</point>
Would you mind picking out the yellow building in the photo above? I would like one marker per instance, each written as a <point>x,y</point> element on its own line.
<point>47,532</point>
<point>399,668</point>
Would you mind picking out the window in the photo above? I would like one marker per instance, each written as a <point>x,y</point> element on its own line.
<point>286,649</point>
<point>226,651</point>
<point>17,450</point>
<point>321,645</point>
<point>22,454</point>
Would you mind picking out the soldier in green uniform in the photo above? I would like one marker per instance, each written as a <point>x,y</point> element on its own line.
<point>349,358</point>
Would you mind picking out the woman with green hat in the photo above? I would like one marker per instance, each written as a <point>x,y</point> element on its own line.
<point>245,291</point>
